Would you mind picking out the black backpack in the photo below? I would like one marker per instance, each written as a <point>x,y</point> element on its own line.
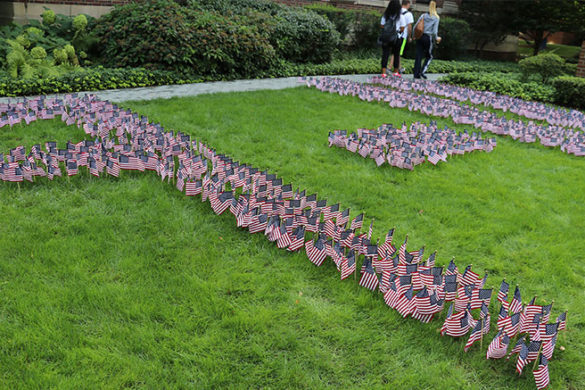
<point>389,34</point>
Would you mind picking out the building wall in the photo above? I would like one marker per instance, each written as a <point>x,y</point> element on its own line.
<point>581,65</point>
<point>21,12</point>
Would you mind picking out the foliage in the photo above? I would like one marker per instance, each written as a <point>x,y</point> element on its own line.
<point>304,36</point>
<point>237,6</point>
<point>343,19</point>
<point>538,21</point>
<point>94,79</point>
<point>48,17</point>
<point>455,38</point>
<point>490,20</point>
<point>358,29</point>
<point>502,83</point>
<point>183,40</point>
<point>545,66</point>
<point>128,283</point>
<point>297,34</point>
<point>570,91</point>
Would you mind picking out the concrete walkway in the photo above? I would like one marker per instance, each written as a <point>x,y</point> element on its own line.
<point>170,91</point>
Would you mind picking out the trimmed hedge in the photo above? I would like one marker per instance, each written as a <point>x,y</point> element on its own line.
<point>89,80</point>
<point>163,35</point>
<point>545,66</point>
<point>358,29</point>
<point>570,91</point>
<point>304,36</point>
<point>506,84</point>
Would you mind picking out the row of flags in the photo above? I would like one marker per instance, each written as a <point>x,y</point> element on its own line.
<point>120,140</point>
<point>570,141</point>
<point>531,110</point>
<point>407,146</point>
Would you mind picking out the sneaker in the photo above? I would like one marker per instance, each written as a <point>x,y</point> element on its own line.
<point>424,76</point>
<point>383,75</point>
<point>396,74</point>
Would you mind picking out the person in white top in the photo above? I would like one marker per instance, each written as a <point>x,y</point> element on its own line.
<point>406,35</point>
<point>393,15</point>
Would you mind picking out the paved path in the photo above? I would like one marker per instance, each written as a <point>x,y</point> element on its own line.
<point>170,91</point>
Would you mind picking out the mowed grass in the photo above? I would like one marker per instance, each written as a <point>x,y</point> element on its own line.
<point>128,283</point>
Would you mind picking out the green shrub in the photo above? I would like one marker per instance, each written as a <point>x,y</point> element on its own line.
<point>89,80</point>
<point>544,66</point>
<point>342,19</point>
<point>80,23</point>
<point>358,29</point>
<point>569,91</point>
<point>297,34</point>
<point>455,37</point>
<point>502,83</point>
<point>237,6</point>
<point>49,17</point>
<point>38,53</point>
<point>183,40</point>
<point>304,36</point>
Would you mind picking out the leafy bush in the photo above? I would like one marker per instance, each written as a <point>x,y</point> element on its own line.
<point>342,19</point>
<point>297,34</point>
<point>358,29</point>
<point>545,66</point>
<point>455,37</point>
<point>304,36</point>
<point>569,91</point>
<point>507,84</point>
<point>183,40</point>
<point>89,80</point>
<point>238,7</point>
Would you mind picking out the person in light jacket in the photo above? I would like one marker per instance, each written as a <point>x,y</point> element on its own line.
<point>424,45</point>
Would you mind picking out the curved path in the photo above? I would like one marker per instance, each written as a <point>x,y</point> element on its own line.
<point>170,91</point>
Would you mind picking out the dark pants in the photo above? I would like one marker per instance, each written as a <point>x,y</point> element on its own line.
<point>395,50</point>
<point>424,47</point>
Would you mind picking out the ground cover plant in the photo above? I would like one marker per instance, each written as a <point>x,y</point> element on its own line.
<point>497,225</point>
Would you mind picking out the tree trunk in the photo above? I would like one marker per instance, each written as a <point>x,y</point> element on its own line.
<point>538,39</point>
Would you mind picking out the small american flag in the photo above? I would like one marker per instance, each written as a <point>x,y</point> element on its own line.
<point>348,266</point>
<point>522,357</point>
<point>541,375</point>
<point>369,278</point>
<point>499,346</point>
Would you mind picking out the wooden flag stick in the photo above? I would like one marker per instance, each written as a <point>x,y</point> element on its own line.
<point>481,335</point>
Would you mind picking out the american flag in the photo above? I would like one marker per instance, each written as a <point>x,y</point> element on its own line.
<point>549,347</point>
<point>516,304</point>
<point>348,266</point>
<point>369,278</point>
<point>477,332</point>
<point>499,346</point>
<point>357,222</point>
<point>503,293</point>
<point>522,357</point>
<point>405,304</point>
<point>562,320</point>
<point>193,188</point>
<point>541,375</point>
<point>316,251</point>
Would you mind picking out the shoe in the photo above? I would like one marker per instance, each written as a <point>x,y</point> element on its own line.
<point>396,74</point>
<point>424,76</point>
<point>383,75</point>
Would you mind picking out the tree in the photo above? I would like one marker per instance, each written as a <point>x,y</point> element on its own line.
<point>491,21</point>
<point>538,19</point>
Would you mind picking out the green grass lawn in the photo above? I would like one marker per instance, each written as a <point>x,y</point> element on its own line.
<point>565,51</point>
<point>128,283</point>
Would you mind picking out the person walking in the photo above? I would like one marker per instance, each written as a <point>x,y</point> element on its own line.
<point>390,40</point>
<point>406,35</point>
<point>424,45</point>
